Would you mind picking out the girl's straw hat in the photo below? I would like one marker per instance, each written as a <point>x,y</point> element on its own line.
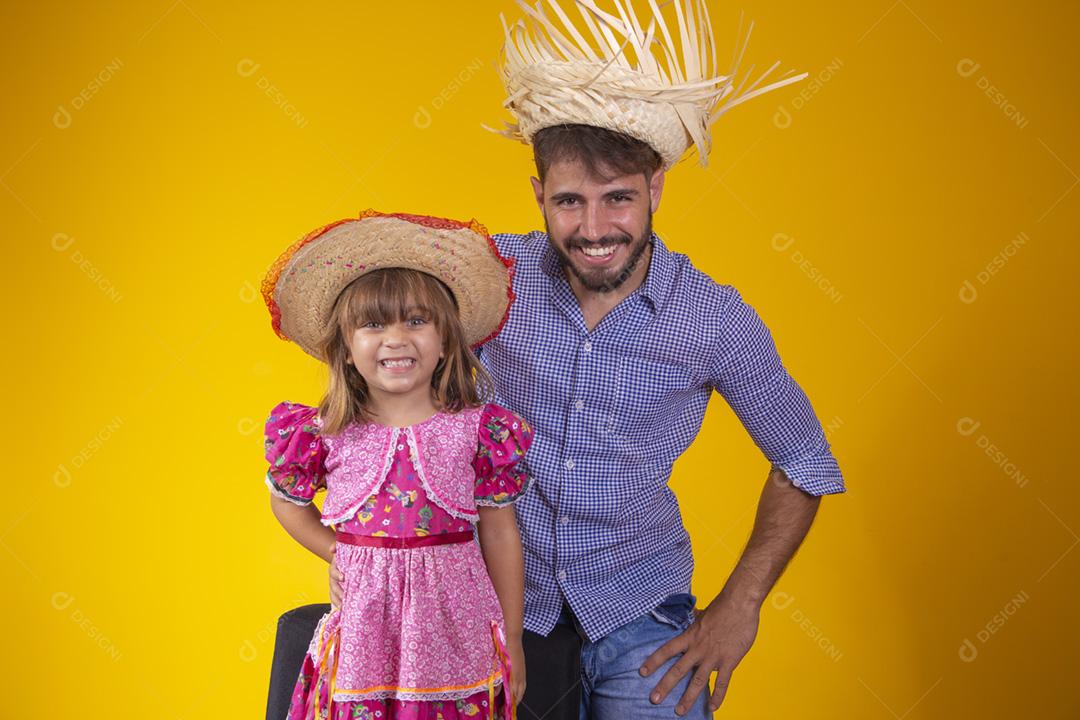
<point>301,286</point>
<point>556,76</point>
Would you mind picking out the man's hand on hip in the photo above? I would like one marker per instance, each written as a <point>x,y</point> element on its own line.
<point>717,640</point>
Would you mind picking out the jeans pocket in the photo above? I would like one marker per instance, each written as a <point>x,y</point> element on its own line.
<point>676,610</point>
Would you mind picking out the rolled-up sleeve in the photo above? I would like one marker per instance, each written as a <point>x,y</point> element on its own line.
<point>747,372</point>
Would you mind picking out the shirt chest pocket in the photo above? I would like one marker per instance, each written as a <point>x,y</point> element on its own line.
<point>649,395</point>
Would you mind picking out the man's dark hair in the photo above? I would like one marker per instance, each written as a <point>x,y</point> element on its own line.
<point>604,153</point>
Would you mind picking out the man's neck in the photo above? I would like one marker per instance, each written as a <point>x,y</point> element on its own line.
<point>595,305</point>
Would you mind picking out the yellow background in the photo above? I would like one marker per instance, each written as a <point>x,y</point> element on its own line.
<point>157,157</point>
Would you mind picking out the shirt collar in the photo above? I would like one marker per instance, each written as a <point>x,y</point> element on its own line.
<point>657,281</point>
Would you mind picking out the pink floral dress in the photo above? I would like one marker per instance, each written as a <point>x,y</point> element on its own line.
<point>419,629</point>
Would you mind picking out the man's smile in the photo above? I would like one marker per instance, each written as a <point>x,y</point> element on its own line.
<point>599,254</point>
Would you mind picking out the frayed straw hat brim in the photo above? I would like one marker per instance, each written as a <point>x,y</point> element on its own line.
<point>614,71</point>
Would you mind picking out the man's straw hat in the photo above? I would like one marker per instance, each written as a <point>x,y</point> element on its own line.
<point>634,78</point>
<point>301,286</point>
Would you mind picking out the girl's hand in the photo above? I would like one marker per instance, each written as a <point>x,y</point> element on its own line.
<point>336,578</point>
<point>517,670</point>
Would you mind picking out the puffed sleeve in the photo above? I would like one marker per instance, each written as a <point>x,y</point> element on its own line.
<point>501,475</point>
<point>295,453</point>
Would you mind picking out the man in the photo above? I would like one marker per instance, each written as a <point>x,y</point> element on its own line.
<point>612,351</point>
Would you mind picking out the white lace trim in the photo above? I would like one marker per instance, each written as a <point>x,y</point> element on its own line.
<point>414,455</point>
<point>275,490</point>
<point>313,646</point>
<point>400,694</point>
<point>387,461</point>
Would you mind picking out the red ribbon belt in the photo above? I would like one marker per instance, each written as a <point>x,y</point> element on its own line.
<point>404,542</point>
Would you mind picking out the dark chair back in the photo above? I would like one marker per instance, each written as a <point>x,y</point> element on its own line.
<point>294,632</point>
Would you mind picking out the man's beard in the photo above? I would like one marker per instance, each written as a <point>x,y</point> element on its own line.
<point>603,279</point>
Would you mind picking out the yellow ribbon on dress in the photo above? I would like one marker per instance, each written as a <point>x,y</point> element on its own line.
<point>503,659</point>
<point>329,642</point>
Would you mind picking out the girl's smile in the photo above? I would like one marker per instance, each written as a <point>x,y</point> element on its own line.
<point>398,364</point>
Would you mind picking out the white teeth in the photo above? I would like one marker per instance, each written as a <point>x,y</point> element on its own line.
<point>408,362</point>
<point>599,252</point>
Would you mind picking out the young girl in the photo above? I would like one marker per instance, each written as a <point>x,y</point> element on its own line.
<point>415,467</point>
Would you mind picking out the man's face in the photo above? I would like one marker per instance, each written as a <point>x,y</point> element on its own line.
<point>599,227</point>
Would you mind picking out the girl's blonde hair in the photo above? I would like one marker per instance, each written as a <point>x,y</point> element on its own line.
<point>387,296</point>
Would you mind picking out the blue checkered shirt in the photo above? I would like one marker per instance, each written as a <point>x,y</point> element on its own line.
<point>613,408</point>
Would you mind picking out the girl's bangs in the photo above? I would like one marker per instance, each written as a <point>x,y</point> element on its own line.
<point>392,295</point>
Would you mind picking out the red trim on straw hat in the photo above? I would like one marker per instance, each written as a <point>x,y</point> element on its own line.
<point>269,282</point>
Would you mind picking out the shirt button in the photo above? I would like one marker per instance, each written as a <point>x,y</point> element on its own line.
<point>564,520</point>
<point>579,404</point>
<point>562,574</point>
<point>588,346</point>
<point>569,464</point>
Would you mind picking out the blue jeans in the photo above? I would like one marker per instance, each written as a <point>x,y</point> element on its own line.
<point>612,687</point>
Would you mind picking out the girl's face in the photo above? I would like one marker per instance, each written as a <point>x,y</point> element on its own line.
<point>397,359</point>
